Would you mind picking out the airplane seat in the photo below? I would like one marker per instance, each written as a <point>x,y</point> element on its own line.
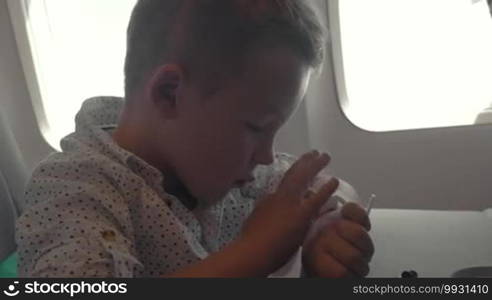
<point>485,117</point>
<point>13,176</point>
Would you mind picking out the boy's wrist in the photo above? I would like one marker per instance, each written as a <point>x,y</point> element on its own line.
<point>255,256</point>
<point>240,258</point>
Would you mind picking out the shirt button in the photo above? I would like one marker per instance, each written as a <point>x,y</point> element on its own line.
<point>109,235</point>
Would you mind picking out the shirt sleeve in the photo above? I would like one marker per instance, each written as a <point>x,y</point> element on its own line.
<point>71,229</point>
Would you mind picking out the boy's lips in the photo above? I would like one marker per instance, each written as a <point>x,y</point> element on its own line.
<point>241,182</point>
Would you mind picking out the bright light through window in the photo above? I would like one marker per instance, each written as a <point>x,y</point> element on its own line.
<point>79,46</point>
<point>415,63</point>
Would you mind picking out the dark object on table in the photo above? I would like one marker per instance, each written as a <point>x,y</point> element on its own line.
<point>409,274</point>
<point>474,272</point>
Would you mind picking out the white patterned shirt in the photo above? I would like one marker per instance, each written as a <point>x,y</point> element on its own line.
<point>97,210</point>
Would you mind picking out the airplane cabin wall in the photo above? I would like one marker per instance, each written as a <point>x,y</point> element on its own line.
<point>441,168</point>
<point>15,101</point>
<point>445,168</point>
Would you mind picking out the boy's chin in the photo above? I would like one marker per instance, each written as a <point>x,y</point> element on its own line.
<point>211,199</point>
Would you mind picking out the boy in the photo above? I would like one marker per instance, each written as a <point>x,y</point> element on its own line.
<point>150,186</point>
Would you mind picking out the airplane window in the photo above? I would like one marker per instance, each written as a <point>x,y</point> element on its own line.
<point>410,64</point>
<point>79,48</point>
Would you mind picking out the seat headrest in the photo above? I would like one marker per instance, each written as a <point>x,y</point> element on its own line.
<point>13,177</point>
<point>7,216</point>
<point>12,165</point>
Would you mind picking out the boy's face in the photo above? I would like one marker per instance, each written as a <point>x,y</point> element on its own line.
<point>220,138</point>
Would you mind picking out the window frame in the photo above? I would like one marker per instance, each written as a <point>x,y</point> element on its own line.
<point>337,57</point>
<point>31,65</point>
<point>333,9</point>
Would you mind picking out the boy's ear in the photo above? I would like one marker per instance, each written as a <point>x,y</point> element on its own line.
<point>163,88</point>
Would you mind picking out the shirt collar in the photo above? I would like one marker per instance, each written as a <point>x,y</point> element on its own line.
<point>95,121</point>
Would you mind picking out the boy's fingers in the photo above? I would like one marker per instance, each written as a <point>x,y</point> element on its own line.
<point>344,252</point>
<point>291,176</point>
<point>328,267</point>
<point>316,200</point>
<point>303,171</point>
<point>357,236</point>
<point>355,213</point>
<point>297,177</point>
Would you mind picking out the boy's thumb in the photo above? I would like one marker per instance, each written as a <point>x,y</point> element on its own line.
<point>314,202</point>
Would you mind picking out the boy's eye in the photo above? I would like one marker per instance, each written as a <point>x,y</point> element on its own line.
<point>254,128</point>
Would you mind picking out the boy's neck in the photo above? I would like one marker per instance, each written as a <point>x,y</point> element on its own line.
<point>130,142</point>
<point>184,196</point>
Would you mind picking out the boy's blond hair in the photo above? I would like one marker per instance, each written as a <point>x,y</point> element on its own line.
<point>210,38</point>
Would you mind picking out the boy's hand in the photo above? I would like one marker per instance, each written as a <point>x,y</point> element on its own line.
<point>278,225</point>
<point>343,248</point>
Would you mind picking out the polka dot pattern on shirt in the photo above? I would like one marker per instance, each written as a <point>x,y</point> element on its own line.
<point>96,210</point>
